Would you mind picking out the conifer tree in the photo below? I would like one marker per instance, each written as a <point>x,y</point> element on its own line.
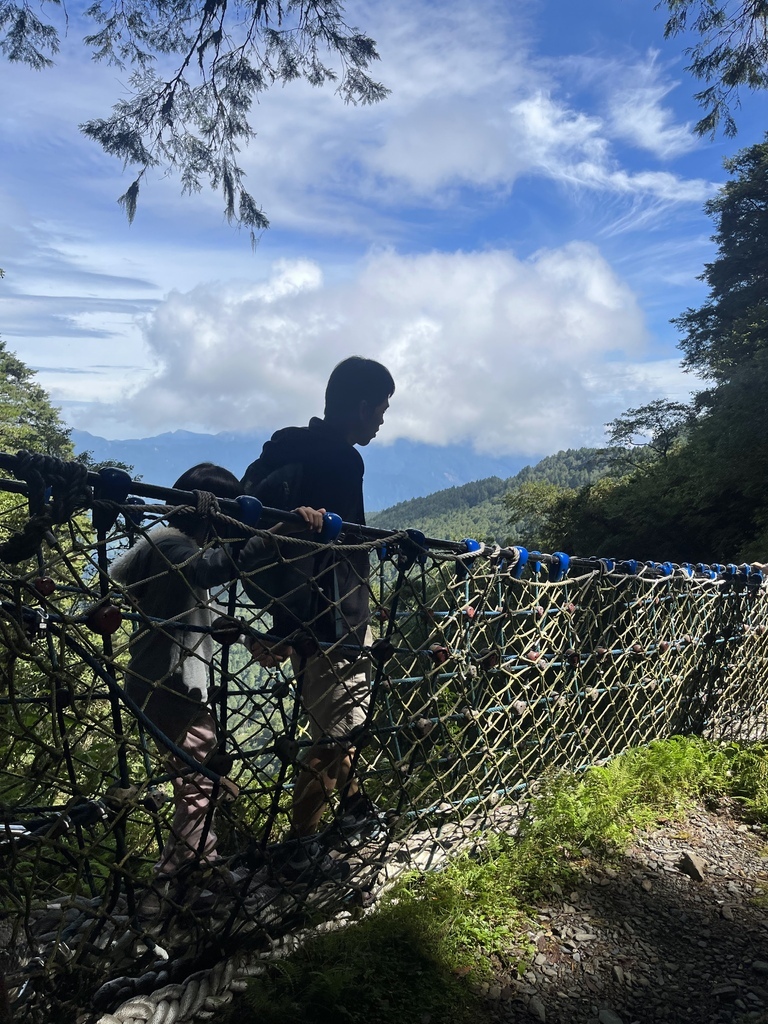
<point>731,52</point>
<point>193,71</point>
<point>731,327</point>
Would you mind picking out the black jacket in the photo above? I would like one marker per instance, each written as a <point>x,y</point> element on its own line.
<point>316,466</point>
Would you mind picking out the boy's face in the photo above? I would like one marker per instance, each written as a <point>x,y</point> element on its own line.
<point>370,419</point>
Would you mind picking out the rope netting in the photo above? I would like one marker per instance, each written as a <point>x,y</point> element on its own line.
<point>131,857</point>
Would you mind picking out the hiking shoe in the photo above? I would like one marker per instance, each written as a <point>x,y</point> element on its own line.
<point>358,821</point>
<point>267,902</point>
<point>218,889</point>
<point>152,901</point>
<point>303,861</point>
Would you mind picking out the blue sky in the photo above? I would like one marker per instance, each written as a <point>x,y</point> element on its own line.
<point>510,231</point>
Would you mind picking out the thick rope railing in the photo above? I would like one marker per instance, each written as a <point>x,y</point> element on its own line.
<point>488,667</point>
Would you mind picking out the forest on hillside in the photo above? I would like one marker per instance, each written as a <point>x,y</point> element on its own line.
<point>480,509</point>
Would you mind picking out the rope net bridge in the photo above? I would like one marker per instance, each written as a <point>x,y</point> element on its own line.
<point>484,668</point>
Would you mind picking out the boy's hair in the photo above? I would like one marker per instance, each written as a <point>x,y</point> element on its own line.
<point>205,476</point>
<point>355,380</point>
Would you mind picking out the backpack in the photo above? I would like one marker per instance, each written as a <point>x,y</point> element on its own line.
<point>284,586</point>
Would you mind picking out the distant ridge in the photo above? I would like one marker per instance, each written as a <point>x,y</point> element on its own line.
<point>477,509</point>
<point>394,473</point>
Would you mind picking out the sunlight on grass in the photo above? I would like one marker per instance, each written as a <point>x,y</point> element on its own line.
<point>434,934</point>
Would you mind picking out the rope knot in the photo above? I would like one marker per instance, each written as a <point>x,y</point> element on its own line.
<point>68,483</point>
<point>206,504</point>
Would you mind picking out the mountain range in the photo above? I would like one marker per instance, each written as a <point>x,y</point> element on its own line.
<point>447,492</point>
<point>394,473</point>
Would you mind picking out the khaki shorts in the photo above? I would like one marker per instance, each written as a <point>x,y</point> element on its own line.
<point>335,693</point>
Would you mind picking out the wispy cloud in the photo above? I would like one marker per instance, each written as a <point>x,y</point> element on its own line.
<point>574,148</point>
<point>637,112</point>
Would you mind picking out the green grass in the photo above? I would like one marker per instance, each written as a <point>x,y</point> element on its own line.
<point>433,933</point>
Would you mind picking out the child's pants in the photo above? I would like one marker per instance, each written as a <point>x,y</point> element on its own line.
<point>190,725</point>
<point>192,836</point>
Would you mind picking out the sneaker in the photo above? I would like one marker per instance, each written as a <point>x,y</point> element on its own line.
<point>304,862</point>
<point>359,821</point>
<point>152,901</point>
<point>193,886</point>
<point>266,903</point>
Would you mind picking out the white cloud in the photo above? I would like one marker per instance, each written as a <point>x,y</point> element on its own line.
<point>629,94</point>
<point>637,112</point>
<point>484,347</point>
<point>574,148</point>
<point>470,107</point>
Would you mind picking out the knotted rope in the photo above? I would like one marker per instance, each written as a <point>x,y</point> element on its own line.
<point>484,668</point>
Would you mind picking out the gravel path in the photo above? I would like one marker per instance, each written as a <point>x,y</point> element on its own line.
<point>676,930</point>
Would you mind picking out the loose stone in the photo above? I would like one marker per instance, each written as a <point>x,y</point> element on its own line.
<point>692,865</point>
<point>609,1017</point>
<point>536,1008</point>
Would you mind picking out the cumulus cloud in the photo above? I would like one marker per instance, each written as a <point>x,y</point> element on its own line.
<point>508,354</point>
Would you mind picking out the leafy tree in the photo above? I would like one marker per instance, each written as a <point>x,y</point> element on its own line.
<point>28,422</point>
<point>539,510</point>
<point>732,325</point>
<point>651,430</point>
<point>732,52</point>
<point>27,418</point>
<point>703,497</point>
<point>196,69</point>
<point>726,465</point>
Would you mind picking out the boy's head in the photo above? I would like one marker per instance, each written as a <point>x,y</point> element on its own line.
<point>357,396</point>
<point>205,476</point>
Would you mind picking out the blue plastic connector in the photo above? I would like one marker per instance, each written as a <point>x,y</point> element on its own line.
<point>413,548</point>
<point>250,509</point>
<point>135,511</point>
<point>558,567</point>
<point>114,485</point>
<point>332,525</point>
<point>520,564</point>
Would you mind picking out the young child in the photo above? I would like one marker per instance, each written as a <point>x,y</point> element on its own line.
<point>167,575</point>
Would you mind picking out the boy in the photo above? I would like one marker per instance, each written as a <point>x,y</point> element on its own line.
<point>318,465</point>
